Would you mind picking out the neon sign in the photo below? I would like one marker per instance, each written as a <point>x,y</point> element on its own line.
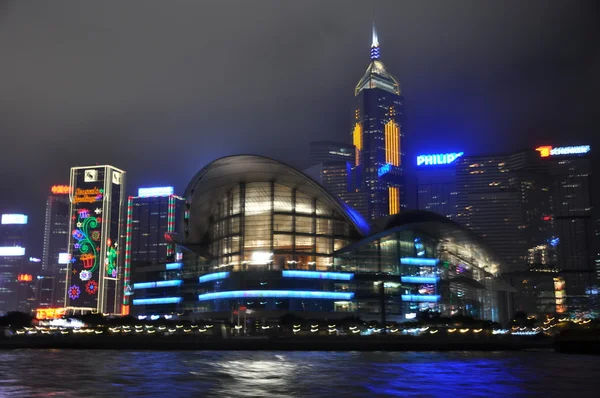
<point>88,195</point>
<point>155,191</point>
<point>24,277</point>
<point>547,150</point>
<point>60,189</point>
<point>14,219</point>
<point>386,168</point>
<point>438,159</point>
<point>11,251</point>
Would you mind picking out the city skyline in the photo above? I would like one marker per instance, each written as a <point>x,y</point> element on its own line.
<point>444,102</point>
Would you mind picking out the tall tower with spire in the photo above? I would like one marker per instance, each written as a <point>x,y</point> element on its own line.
<point>377,130</point>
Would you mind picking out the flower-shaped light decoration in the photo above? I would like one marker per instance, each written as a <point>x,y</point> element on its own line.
<point>74,292</point>
<point>91,287</point>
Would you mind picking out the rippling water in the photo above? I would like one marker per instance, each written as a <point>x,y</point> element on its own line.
<point>97,373</point>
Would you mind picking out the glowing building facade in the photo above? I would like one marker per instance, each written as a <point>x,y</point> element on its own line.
<point>13,236</point>
<point>263,238</point>
<point>94,272</point>
<point>150,215</point>
<point>377,133</point>
<point>56,240</point>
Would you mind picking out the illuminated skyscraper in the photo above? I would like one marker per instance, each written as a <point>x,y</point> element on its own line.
<point>377,133</point>
<point>56,241</point>
<point>150,215</point>
<point>12,258</point>
<point>93,275</point>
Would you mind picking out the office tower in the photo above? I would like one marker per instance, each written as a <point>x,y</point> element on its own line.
<point>150,215</point>
<point>329,151</point>
<point>56,240</point>
<point>93,274</point>
<point>377,133</point>
<point>436,183</point>
<point>490,205</point>
<point>331,166</point>
<point>570,170</point>
<point>13,229</point>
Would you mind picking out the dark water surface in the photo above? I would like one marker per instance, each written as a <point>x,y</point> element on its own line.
<point>97,373</point>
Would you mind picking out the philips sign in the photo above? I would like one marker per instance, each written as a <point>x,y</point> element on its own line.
<point>443,158</point>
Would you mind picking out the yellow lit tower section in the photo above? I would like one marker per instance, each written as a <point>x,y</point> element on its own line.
<point>377,133</point>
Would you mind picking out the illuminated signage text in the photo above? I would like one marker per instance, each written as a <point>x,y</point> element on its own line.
<point>155,191</point>
<point>14,219</point>
<point>386,168</point>
<point>546,151</point>
<point>60,189</point>
<point>12,251</point>
<point>438,159</point>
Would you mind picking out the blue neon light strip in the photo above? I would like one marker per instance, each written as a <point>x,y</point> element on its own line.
<point>421,298</point>
<point>317,275</point>
<point>275,293</point>
<point>171,266</point>
<point>162,300</point>
<point>420,279</point>
<point>213,277</point>
<point>151,285</point>
<point>419,261</point>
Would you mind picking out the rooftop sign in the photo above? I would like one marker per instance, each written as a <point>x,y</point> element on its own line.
<point>438,159</point>
<point>14,219</point>
<point>60,189</point>
<point>546,151</point>
<point>155,191</point>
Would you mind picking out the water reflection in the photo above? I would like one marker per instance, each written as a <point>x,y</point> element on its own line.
<point>30,373</point>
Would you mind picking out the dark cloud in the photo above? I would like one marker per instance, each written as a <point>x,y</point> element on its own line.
<point>159,88</point>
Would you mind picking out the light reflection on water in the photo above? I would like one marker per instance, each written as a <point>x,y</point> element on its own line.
<point>98,373</point>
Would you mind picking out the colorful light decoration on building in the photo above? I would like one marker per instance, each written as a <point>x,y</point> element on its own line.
<point>24,277</point>
<point>420,279</point>
<point>438,159</point>
<point>50,313</point>
<point>547,150</point>
<point>60,189</point>
<point>74,292</point>
<point>20,219</point>
<point>155,191</point>
<point>152,285</point>
<point>161,300</point>
<point>213,277</point>
<point>12,251</point>
<point>392,142</point>
<point>393,200</point>
<point>383,170</point>
<point>427,262</point>
<point>357,139</point>
<point>91,287</point>
<point>317,275</point>
<point>172,266</point>
<point>421,298</point>
<point>276,294</point>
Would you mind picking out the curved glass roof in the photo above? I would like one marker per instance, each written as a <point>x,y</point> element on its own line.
<point>217,177</point>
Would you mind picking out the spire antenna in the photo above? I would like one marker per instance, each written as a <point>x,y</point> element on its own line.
<point>374,44</point>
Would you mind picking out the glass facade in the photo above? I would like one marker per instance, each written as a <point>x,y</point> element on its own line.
<point>263,240</point>
<point>267,225</point>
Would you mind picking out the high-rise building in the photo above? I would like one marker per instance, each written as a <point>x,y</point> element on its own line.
<point>329,151</point>
<point>150,215</point>
<point>56,241</point>
<point>94,272</point>
<point>377,133</point>
<point>490,205</point>
<point>13,228</point>
<point>436,183</point>
<point>331,166</point>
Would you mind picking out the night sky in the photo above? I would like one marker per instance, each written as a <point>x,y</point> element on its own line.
<point>160,88</point>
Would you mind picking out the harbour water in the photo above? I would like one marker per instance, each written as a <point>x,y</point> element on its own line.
<point>111,373</point>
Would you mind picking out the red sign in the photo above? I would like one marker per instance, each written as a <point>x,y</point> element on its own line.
<point>60,189</point>
<point>242,308</point>
<point>24,277</point>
